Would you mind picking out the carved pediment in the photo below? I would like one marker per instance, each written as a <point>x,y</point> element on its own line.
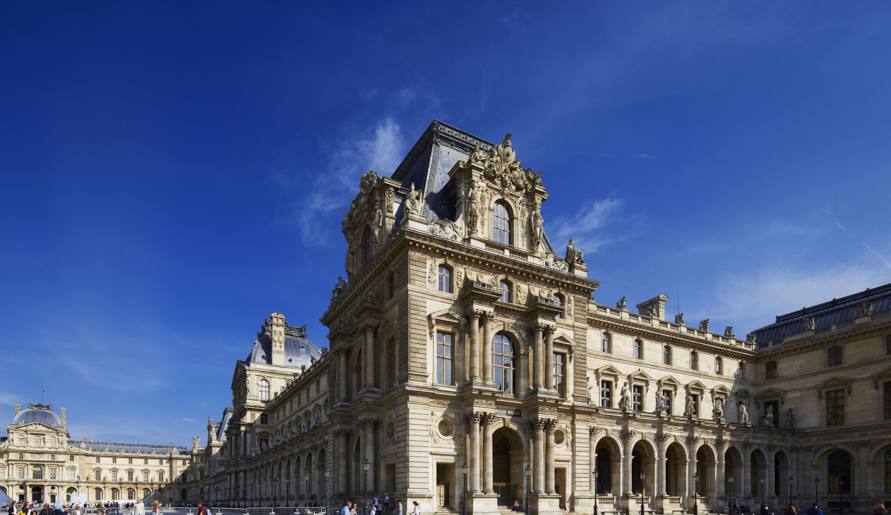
<point>502,169</point>
<point>695,386</point>
<point>720,391</point>
<point>640,375</point>
<point>607,371</point>
<point>880,377</point>
<point>771,393</point>
<point>668,381</point>
<point>833,384</point>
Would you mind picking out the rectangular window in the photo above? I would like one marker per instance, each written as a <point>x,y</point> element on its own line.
<point>20,473</point>
<point>559,372</point>
<point>695,405</point>
<point>888,401</point>
<point>835,407</point>
<point>770,370</point>
<point>52,473</point>
<point>606,394</point>
<point>72,475</point>
<point>605,345</point>
<point>694,360</point>
<point>888,347</point>
<point>719,365</point>
<point>834,356</point>
<point>666,355</point>
<point>667,395</point>
<point>637,349</point>
<point>444,353</point>
<point>741,370</point>
<point>637,397</point>
<point>161,476</point>
<point>445,279</point>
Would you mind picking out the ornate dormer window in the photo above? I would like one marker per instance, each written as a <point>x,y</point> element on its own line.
<point>264,390</point>
<point>445,279</point>
<point>505,287</point>
<point>501,223</point>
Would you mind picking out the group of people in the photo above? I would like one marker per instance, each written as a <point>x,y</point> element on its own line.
<point>878,509</point>
<point>384,505</point>
<point>30,508</point>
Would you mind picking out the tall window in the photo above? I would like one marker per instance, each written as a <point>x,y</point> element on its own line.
<point>888,470</point>
<point>835,407</point>
<point>501,223</point>
<point>606,394</point>
<point>888,403</point>
<point>695,398</point>
<point>129,475</point>
<point>145,475</point>
<point>37,472</point>
<point>637,349</point>
<point>97,474</point>
<point>694,360</point>
<point>504,287</point>
<point>838,464</point>
<point>605,345</point>
<point>666,355</point>
<point>52,473</point>
<point>161,476</point>
<point>445,279</point>
<point>741,370</point>
<point>719,365</point>
<point>114,474</point>
<point>667,396</point>
<point>888,351</point>
<point>444,354</point>
<point>770,370</point>
<point>503,363</point>
<point>834,356</point>
<point>71,474</point>
<point>559,372</point>
<point>637,397</point>
<point>264,390</point>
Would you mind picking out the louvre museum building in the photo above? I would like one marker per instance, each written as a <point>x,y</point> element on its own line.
<point>471,364</point>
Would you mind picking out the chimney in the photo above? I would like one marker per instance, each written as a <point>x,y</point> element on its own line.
<point>63,414</point>
<point>275,328</point>
<point>654,308</point>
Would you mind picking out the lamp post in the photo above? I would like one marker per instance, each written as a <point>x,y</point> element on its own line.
<point>464,490</point>
<point>594,472</point>
<point>695,493</point>
<point>761,492</point>
<point>643,479</point>
<point>816,490</point>
<point>306,488</point>
<point>789,481</point>
<point>527,470</point>
<point>730,495</point>
<point>274,494</point>
<point>365,468</point>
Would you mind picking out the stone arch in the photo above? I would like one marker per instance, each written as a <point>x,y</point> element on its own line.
<point>675,469</point>
<point>508,459</point>
<point>781,472</point>
<point>706,463</point>
<point>758,474</point>
<point>837,465</point>
<point>820,457</point>
<point>607,460</point>
<point>643,461</point>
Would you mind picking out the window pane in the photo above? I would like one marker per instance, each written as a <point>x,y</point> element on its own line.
<point>445,279</point>
<point>501,224</point>
<point>502,362</point>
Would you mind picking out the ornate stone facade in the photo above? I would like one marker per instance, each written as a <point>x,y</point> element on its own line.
<point>39,462</point>
<point>466,355</point>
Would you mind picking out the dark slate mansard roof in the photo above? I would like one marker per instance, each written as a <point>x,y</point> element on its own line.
<point>874,302</point>
<point>298,349</point>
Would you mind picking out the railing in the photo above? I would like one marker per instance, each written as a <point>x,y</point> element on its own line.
<point>252,510</point>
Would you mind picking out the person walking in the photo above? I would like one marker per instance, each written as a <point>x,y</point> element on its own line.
<point>345,509</point>
<point>399,507</point>
<point>879,509</point>
<point>790,510</point>
<point>416,508</point>
<point>815,510</point>
<point>764,510</point>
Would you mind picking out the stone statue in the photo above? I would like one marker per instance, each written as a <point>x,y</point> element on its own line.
<point>865,309</point>
<point>473,207</point>
<point>752,338</point>
<point>338,289</point>
<point>679,319</point>
<point>743,414</point>
<point>810,324</point>
<point>537,227</point>
<point>622,304</point>
<point>728,331</point>
<point>624,401</point>
<point>703,325</point>
<point>413,201</point>
<point>718,410</point>
<point>196,442</point>
<point>589,387</point>
<point>573,255</point>
<point>790,419</point>
<point>690,408</point>
<point>661,403</point>
<point>768,416</point>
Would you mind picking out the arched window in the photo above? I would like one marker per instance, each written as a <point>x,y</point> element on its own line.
<point>838,465</point>
<point>501,223</point>
<point>506,296</point>
<point>263,418</point>
<point>503,362</point>
<point>131,494</point>
<point>694,360</point>
<point>445,279</point>
<point>264,390</point>
<point>115,494</point>
<point>719,365</point>
<point>666,355</point>
<point>98,495</point>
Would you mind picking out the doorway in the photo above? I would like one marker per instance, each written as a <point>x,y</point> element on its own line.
<point>444,474</point>
<point>560,485</point>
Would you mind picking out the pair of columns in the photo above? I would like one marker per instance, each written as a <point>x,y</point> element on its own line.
<point>477,318</point>
<point>368,353</point>
<point>481,463</point>
<point>543,357</point>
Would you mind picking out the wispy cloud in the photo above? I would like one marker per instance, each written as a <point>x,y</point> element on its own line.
<point>8,399</point>
<point>643,156</point>
<point>188,420</point>
<point>876,253</point>
<point>590,227</point>
<point>332,191</point>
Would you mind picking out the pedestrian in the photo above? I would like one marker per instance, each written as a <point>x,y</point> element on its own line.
<point>878,509</point>
<point>399,507</point>
<point>156,507</point>
<point>416,508</point>
<point>353,510</point>
<point>815,510</point>
<point>345,509</point>
<point>764,510</point>
<point>790,510</point>
<point>202,510</point>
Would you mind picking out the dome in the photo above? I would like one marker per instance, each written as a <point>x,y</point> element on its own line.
<point>38,414</point>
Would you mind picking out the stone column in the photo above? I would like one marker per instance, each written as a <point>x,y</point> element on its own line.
<point>487,347</point>
<point>475,453</point>
<point>369,356</point>
<point>628,441</point>
<point>660,468</point>
<point>368,440</point>
<point>769,477</point>
<point>745,488</point>
<point>487,454</point>
<point>342,375</point>
<point>340,461</point>
<point>549,358</point>
<point>537,365</point>
<point>539,465</point>
<point>719,476</point>
<point>474,347</point>
<point>549,465</point>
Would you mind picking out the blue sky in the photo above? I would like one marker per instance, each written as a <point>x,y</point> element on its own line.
<point>172,172</point>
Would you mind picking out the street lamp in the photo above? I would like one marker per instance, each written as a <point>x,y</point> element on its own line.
<point>789,481</point>
<point>816,491</point>
<point>594,472</point>
<point>365,468</point>
<point>730,495</point>
<point>306,488</point>
<point>274,494</point>
<point>327,477</point>
<point>695,493</point>
<point>464,491</point>
<point>527,470</point>
<point>643,479</point>
<point>761,492</point>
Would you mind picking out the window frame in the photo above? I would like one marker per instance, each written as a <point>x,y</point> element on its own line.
<point>770,369</point>
<point>667,355</point>
<point>265,389</point>
<point>637,349</point>
<point>504,381</point>
<point>607,389</point>
<point>638,395</point>
<point>505,288</point>
<point>445,272</point>
<point>835,400</point>
<point>560,363</point>
<point>835,356</point>
<point>606,342</point>
<point>694,360</point>
<point>445,364</point>
<point>719,365</point>
<point>502,226</point>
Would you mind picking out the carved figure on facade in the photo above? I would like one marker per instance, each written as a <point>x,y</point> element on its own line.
<point>473,210</point>
<point>622,304</point>
<point>810,324</point>
<point>790,419</point>
<point>537,228</point>
<point>338,289</point>
<point>743,414</point>
<point>768,415</point>
<point>574,255</point>
<point>624,400</point>
<point>679,319</point>
<point>661,403</point>
<point>728,331</point>
<point>412,201</point>
<point>690,407</point>
<point>703,325</point>
<point>589,388</point>
<point>865,309</point>
<point>718,409</point>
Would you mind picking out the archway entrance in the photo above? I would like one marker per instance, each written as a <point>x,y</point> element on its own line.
<point>37,494</point>
<point>70,493</point>
<point>643,459</point>
<point>782,476</point>
<point>838,468</point>
<point>705,472</point>
<point>608,466</point>
<point>732,474</point>
<point>675,470</point>
<point>757,477</point>
<point>507,466</point>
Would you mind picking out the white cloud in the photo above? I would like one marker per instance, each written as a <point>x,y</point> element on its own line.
<point>753,300</point>
<point>188,420</point>
<point>588,226</point>
<point>8,399</point>
<point>332,191</point>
